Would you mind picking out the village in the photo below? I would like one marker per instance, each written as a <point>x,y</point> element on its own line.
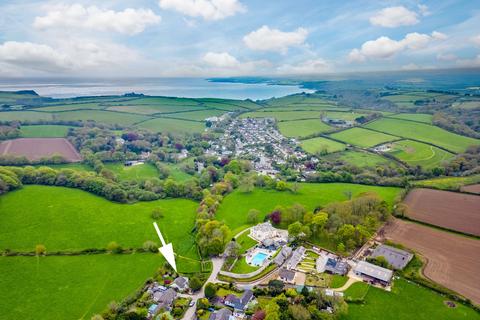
<point>281,261</point>
<point>258,140</point>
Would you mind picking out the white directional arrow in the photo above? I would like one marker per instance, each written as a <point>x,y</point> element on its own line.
<point>166,250</point>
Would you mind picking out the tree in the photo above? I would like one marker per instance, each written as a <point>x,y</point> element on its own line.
<point>195,283</point>
<point>299,312</point>
<point>157,214</point>
<point>295,187</point>
<point>40,249</point>
<point>259,315</point>
<point>203,303</point>
<point>319,221</point>
<point>272,310</point>
<point>247,184</point>
<point>210,290</point>
<point>150,246</point>
<point>281,186</point>
<point>233,249</point>
<point>294,229</point>
<point>114,247</point>
<point>276,217</point>
<point>97,317</point>
<point>252,216</point>
<point>276,286</point>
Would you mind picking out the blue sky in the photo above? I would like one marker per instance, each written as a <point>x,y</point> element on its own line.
<point>234,37</point>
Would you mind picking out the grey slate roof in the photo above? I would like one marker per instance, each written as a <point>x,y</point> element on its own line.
<point>287,275</point>
<point>397,258</point>
<point>165,298</point>
<point>282,256</point>
<point>297,256</point>
<point>222,314</point>
<point>373,271</point>
<point>239,303</point>
<point>181,282</point>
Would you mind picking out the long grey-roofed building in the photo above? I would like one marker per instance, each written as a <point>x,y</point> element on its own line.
<point>373,272</point>
<point>397,258</point>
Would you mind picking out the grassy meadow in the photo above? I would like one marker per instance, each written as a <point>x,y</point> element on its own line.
<point>362,137</point>
<point>424,132</point>
<point>420,117</point>
<point>70,219</point>
<point>419,154</point>
<point>406,301</point>
<point>172,125</point>
<point>138,172</point>
<point>235,206</point>
<point>70,287</point>
<point>44,131</point>
<point>321,144</point>
<point>302,128</point>
<point>360,158</point>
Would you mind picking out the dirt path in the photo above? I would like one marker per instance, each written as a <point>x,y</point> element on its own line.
<point>347,284</point>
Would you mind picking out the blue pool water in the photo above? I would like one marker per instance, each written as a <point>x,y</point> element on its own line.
<point>259,258</point>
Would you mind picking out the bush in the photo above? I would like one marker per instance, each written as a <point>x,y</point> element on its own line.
<point>40,250</point>
<point>114,247</point>
<point>210,290</point>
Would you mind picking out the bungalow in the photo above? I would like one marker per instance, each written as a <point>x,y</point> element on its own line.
<point>336,266</point>
<point>239,304</point>
<point>180,284</point>
<point>164,299</point>
<point>287,276</point>
<point>397,258</point>
<point>222,314</point>
<point>373,273</point>
<point>284,254</point>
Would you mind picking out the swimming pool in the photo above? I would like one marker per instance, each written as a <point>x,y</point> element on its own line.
<point>258,259</point>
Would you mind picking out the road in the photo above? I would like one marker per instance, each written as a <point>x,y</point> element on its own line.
<point>217,264</point>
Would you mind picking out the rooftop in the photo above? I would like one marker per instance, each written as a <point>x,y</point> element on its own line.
<point>397,258</point>
<point>374,271</point>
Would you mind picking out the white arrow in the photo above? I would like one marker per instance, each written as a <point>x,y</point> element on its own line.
<point>166,250</point>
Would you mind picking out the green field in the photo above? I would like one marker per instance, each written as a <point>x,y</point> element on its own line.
<point>420,117</point>
<point>302,128</point>
<point>200,115</point>
<point>70,219</point>
<point>44,131</point>
<point>406,301</point>
<point>101,116</point>
<point>234,208</point>
<point>321,144</point>
<point>360,158</point>
<point>153,109</point>
<point>245,241</point>
<point>283,115</point>
<point>448,183</point>
<point>424,132</point>
<point>419,154</point>
<point>467,105</point>
<point>172,125</point>
<point>73,106</point>
<point>138,172</point>
<point>74,287</point>
<point>362,137</point>
<point>24,116</point>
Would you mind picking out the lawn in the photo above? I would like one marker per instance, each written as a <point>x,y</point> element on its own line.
<point>357,291</point>
<point>138,172</point>
<point>101,116</point>
<point>424,132</point>
<point>362,137</point>
<point>245,241</point>
<point>44,131</point>
<point>69,287</point>
<point>241,266</point>
<point>322,145</point>
<point>172,125</point>
<point>176,173</point>
<point>406,301</point>
<point>234,208</point>
<point>71,219</point>
<point>420,117</point>
<point>302,128</point>
<point>420,154</point>
<point>360,158</point>
<point>283,115</point>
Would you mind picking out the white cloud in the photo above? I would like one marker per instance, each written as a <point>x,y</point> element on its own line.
<point>446,57</point>
<point>411,66</point>
<point>468,63</point>
<point>384,47</point>
<point>266,39</point>
<point>313,66</point>
<point>220,60</point>
<point>75,55</point>
<point>392,17</point>
<point>129,21</point>
<point>206,9</point>
<point>476,40</point>
<point>33,55</point>
<point>423,9</point>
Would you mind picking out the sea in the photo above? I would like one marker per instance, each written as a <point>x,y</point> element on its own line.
<point>172,87</point>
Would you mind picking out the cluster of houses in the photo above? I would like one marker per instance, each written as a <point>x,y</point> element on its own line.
<point>239,305</point>
<point>256,139</point>
<point>164,297</point>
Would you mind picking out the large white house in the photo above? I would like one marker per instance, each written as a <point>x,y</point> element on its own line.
<point>265,231</point>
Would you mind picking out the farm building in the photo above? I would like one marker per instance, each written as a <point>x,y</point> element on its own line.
<point>397,258</point>
<point>373,273</point>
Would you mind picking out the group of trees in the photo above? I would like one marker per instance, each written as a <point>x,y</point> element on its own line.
<point>348,224</point>
<point>9,131</point>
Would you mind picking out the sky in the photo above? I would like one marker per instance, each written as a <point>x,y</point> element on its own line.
<point>208,38</point>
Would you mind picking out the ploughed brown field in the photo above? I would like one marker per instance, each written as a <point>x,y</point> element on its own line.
<point>474,188</point>
<point>451,210</point>
<point>452,260</point>
<point>37,148</point>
